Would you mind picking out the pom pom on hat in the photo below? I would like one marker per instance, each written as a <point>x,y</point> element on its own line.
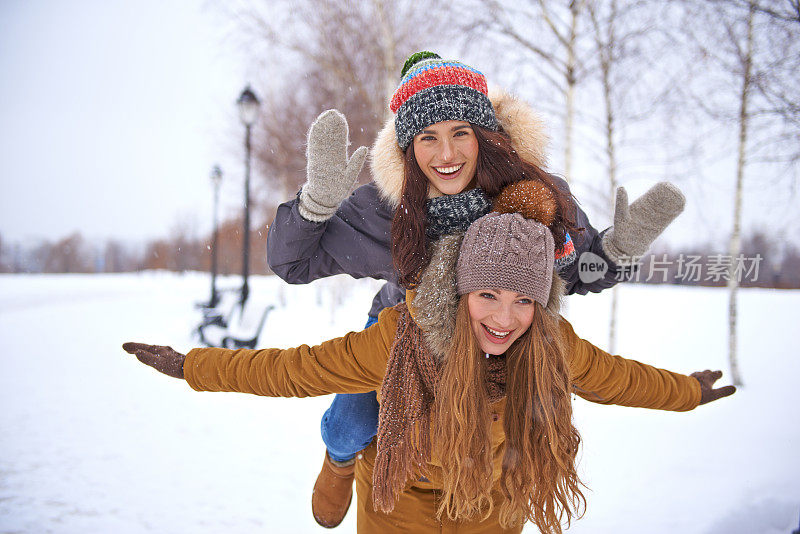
<point>530,198</point>
<point>415,58</point>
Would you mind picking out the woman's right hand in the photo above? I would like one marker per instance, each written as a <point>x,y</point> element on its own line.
<point>329,173</point>
<point>163,359</point>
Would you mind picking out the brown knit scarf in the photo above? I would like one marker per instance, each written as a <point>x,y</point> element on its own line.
<point>404,419</point>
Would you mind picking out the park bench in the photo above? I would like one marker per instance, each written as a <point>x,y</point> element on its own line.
<point>234,326</point>
<point>220,313</point>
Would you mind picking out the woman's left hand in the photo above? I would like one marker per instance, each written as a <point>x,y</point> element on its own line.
<point>636,226</point>
<point>707,391</point>
<point>163,359</point>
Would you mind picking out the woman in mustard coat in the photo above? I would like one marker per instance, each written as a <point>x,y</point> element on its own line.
<point>475,373</point>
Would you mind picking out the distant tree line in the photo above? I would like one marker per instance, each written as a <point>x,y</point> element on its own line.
<point>762,262</point>
<point>178,253</point>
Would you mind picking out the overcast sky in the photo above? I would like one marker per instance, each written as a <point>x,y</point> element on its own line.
<point>113,113</point>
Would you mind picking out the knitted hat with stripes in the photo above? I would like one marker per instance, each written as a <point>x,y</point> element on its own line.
<point>434,90</point>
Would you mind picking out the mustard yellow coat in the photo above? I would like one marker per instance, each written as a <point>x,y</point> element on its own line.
<point>356,363</point>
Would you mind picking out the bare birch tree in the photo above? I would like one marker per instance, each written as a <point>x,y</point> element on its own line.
<point>756,52</point>
<point>556,49</point>
<point>735,242</point>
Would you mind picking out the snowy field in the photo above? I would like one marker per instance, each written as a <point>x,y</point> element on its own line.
<point>92,441</point>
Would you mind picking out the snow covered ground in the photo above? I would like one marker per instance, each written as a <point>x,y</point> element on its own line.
<point>91,441</point>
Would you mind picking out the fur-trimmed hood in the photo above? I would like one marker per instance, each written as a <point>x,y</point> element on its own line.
<point>518,119</point>
<point>434,302</point>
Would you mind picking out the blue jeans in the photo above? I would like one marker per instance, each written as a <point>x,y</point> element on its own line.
<point>351,422</point>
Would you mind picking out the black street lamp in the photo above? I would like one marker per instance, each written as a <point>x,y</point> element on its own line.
<point>216,179</point>
<point>248,113</point>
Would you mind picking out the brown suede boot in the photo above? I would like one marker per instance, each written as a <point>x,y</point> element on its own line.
<point>333,492</point>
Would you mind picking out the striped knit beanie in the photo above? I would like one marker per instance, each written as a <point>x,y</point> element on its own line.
<point>507,251</point>
<point>434,90</point>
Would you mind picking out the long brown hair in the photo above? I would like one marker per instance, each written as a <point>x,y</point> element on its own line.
<point>539,481</point>
<point>498,165</point>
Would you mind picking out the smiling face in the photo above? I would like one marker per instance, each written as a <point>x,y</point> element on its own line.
<point>447,153</point>
<point>498,318</point>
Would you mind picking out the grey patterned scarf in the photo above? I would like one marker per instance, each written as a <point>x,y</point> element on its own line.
<point>449,214</point>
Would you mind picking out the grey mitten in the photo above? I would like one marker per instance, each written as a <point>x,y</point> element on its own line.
<point>638,225</point>
<point>329,174</point>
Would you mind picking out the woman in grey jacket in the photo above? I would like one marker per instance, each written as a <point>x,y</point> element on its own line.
<point>449,151</point>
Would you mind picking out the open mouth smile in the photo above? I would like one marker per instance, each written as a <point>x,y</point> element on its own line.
<point>496,336</point>
<point>451,171</point>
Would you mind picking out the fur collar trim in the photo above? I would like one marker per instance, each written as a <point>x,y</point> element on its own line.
<point>517,118</point>
<point>434,302</point>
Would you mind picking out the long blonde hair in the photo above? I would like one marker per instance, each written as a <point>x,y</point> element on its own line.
<point>539,481</point>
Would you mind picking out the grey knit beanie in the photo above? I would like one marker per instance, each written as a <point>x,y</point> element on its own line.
<point>507,251</point>
<point>434,90</point>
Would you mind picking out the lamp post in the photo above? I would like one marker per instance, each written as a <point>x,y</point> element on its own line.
<point>216,179</point>
<point>248,112</point>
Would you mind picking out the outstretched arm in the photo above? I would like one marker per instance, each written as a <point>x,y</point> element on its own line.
<point>354,363</point>
<point>608,379</point>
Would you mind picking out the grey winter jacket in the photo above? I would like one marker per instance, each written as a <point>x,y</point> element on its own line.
<point>356,241</point>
